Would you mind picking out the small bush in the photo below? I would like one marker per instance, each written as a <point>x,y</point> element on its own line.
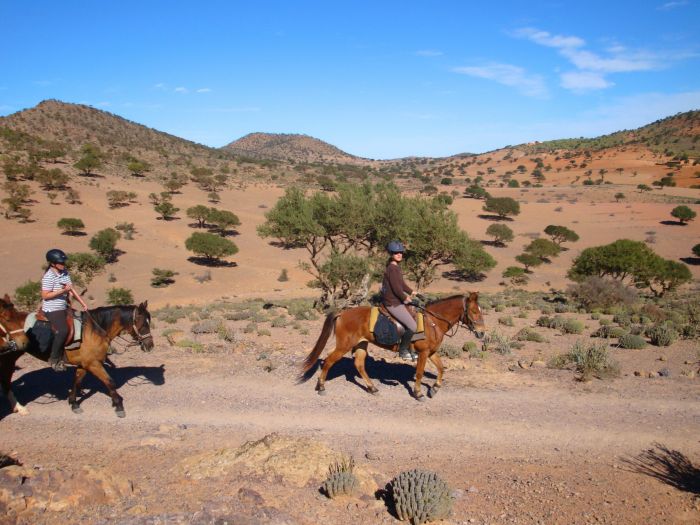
<point>469,347</point>
<point>302,310</point>
<point>589,360</point>
<point>207,326</point>
<point>498,342</point>
<point>340,479</point>
<point>573,326</point>
<point>119,296</point>
<point>226,334</point>
<point>451,351</point>
<point>283,276</point>
<point>528,334</point>
<point>279,322</point>
<point>250,328</point>
<point>662,335</point>
<point>506,320</point>
<point>608,331</point>
<point>192,345</point>
<point>28,295</point>
<point>596,292</point>
<point>264,331</point>
<point>595,316</point>
<point>499,308</point>
<point>632,341</point>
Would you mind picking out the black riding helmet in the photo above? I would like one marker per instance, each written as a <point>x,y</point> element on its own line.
<point>395,247</point>
<point>56,256</point>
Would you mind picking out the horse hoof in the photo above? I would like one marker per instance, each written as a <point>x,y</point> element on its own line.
<point>374,391</point>
<point>121,413</point>
<point>76,409</point>
<point>420,397</point>
<point>433,391</point>
<point>322,392</point>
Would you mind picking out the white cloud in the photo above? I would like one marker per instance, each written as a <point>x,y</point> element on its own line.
<point>204,90</point>
<point>428,53</point>
<point>513,76</point>
<point>546,39</point>
<point>160,85</point>
<point>181,89</point>
<point>672,5</point>
<point>620,62</point>
<point>582,81</point>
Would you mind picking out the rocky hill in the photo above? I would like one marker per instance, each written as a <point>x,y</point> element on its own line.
<point>291,147</point>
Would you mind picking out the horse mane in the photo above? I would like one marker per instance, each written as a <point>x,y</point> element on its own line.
<point>104,316</point>
<point>444,299</point>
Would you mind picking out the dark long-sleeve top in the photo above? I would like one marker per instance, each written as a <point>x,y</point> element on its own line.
<point>394,288</point>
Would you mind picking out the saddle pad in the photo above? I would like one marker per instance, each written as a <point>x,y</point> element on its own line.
<point>374,315</point>
<point>30,321</point>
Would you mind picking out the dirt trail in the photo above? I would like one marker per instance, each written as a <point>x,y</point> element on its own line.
<point>518,447</point>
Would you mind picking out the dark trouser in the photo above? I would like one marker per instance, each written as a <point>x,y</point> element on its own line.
<point>59,324</point>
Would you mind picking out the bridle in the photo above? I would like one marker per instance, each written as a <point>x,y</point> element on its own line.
<point>139,338</point>
<point>463,320</point>
<point>7,335</point>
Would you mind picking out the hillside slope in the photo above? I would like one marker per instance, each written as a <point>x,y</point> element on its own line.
<point>292,147</point>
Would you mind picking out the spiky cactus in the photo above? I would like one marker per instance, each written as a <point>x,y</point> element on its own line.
<point>420,496</point>
<point>341,479</point>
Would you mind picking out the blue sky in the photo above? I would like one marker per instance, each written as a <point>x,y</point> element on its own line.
<point>377,79</point>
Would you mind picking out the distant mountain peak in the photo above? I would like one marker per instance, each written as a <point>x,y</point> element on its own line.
<point>288,146</point>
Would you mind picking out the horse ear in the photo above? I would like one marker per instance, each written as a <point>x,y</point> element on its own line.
<point>144,305</point>
<point>7,299</point>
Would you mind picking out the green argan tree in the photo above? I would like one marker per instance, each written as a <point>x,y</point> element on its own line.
<point>502,206</point>
<point>683,213</point>
<point>211,247</point>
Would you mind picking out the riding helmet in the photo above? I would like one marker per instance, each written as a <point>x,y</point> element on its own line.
<point>395,247</point>
<point>56,256</point>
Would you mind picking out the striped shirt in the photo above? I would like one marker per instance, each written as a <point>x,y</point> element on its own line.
<point>51,282</point>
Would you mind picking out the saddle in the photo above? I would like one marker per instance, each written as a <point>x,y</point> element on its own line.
<point>387,330</point>
<point>38,328</point>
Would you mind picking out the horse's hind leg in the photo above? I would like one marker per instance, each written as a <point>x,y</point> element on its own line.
<point>360,356</point>
<point>435,358</point>
<point>420,368</point>
<point>99,372</point>
<point>72,397</point>
<point>332,358</point>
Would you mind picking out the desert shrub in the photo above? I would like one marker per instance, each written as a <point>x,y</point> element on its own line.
<point>127,228</point>
<point>192,345</point>
<point>283,277</point>
<point>573,326</point>
<point>502,206</point>
<point>28,295</point>
<point>528,334</point>
<point>623,320</point>
<point>499,308</point>
<point>264,331</point>
<point>238,316</point>
<point>104,243</point>
<point>448,350</point>
<point>501,233</point>
<point>279,322</point>
<point>250,328</point>
<point>608,331</point>
<point>605,321</point>
<point>589,360</point>
<point>206,326</point>
<point>302,310</point>
<point>119,296</point>
<point>162,277</point>
<point>544,321</point>
<point>597,292</point>
<point>226,334</point>
<point>561,234</point>
<point>561,308</point>
<point>340,479</point>
<point>506,320</point>
<point>210,246</point>
<point>469,347</point>
<point>498,342</point>
<point>683,214</point>
<point>71,225</point>
<point>662,335</point>
<point>595,316</point>
<point>632,341</point>
<point>546,310</point>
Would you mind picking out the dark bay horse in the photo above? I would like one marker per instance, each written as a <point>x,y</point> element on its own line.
<point>100,327</point>
<point>351,328</point>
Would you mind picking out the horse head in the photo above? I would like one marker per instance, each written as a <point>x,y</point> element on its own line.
<point>472,316</point>
<point>12,336</point>
<point>141,328</point>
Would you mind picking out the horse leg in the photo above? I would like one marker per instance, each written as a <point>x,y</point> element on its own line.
<point>96,368</point>
<point>420,368</point>
<point>435,358</point>
<point>332,358</point>
<point>360,355</point>
<point>77,380</point>
<point>7,367</point>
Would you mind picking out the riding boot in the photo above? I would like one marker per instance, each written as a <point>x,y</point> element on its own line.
<point>56,359</point>
<point>404,346</point>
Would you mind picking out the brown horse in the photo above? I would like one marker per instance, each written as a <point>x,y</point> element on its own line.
<point>100,327</point>
<point>352,333</point>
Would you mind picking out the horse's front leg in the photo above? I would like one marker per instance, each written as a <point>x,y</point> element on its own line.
<point>360,356</point>
<point>96,368</point>
<point>435,358</point>
<point>72,397</point>
<point>420,368</point>
<point>7,368</point>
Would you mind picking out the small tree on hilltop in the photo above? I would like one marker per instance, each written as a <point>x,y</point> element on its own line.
<point>223,219</point>
<point>199,213</point>
<point>643,188</point>
<point>119,296</point>
<point>84,267</point>
<point>683,214</point>
<point>543,248</point>
<point>90,161</point>
<point>501,233</point>
<point>502,206</point>
<point>528,260</point>
<point>104,242</point>
<point>138,167</point>
<point>619,196</point>
<point>52,179</point>
<point>210,246</point>
<point>71,226</point>
<point>561,234</point>
<point>28,295</point>
<point>476,192</point>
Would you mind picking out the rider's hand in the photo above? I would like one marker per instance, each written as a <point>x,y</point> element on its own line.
<point>85,308</point>
<point>67,288</point>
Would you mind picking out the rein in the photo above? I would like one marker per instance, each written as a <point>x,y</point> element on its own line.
<point>451,325</point>
<point>7,335</point>
<point>138,338</point>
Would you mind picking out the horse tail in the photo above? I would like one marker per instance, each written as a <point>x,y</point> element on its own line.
<point>312,358</point>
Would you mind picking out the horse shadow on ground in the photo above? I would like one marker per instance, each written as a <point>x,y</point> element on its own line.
<point>673,223</point>
<point>212,263</point>
<point>669,466</point>
<point>693,261</point>
<point>391,374</point>
<point>44,386</point>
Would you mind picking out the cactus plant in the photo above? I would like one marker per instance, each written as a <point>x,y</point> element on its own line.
<point>341,479</point>
<point>420,496</point>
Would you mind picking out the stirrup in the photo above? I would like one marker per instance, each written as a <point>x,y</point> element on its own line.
<point>58,366</point>
<point>406,355</point>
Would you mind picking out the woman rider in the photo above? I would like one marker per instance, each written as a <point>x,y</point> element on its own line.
<point>396,294</point>
<point>56,286</point>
